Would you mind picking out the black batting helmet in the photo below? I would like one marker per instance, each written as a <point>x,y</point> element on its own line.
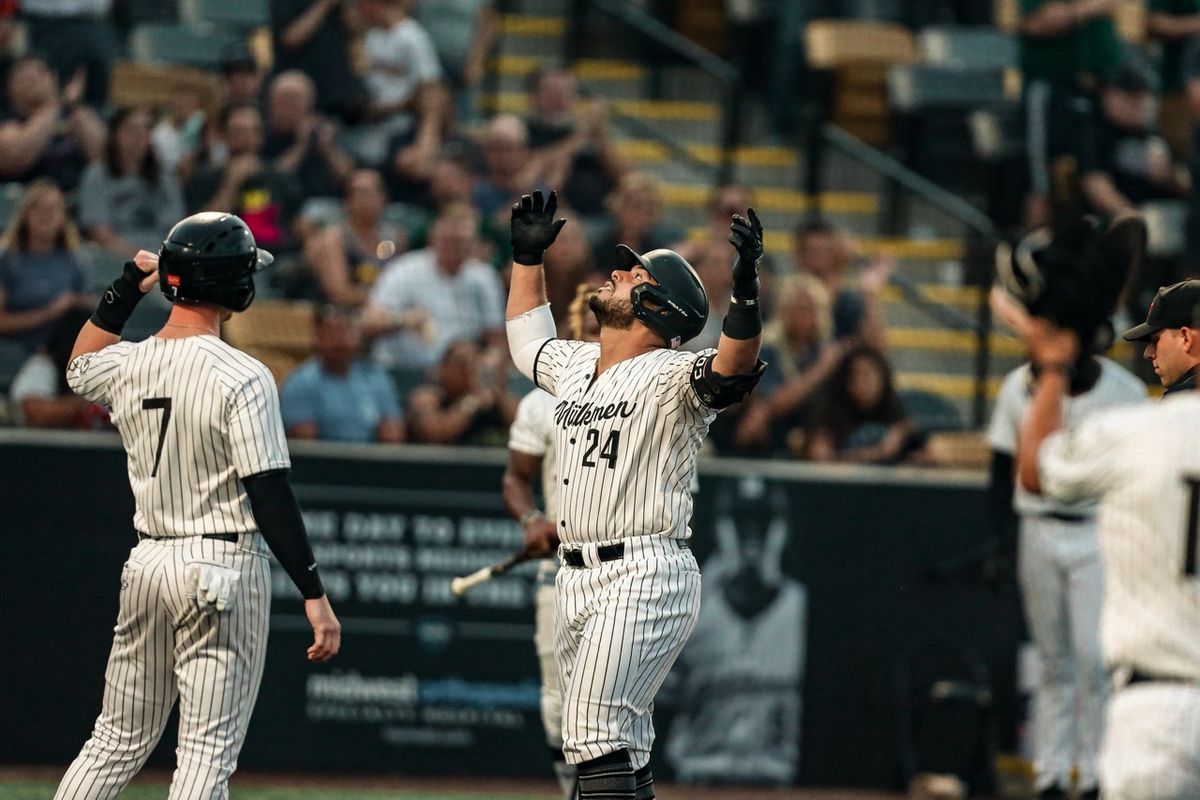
<point>676,307</point>
<point>211,257</point>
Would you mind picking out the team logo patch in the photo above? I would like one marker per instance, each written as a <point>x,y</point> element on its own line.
<point>172,280</point>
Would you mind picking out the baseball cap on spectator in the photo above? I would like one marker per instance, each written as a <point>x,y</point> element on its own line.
<point>1173,306</point>
<point>1133,76</point>
<point>238,58</point>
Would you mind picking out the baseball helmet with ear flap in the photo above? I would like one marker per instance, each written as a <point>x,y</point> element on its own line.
<point>676,306</point>
<point>1073,273</point>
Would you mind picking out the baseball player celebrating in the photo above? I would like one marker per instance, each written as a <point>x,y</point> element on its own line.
<point>631,414</point>
<point>1061,579</point>
<point>530,453</point>
<point>1143,464</point>
<point>207,464</point>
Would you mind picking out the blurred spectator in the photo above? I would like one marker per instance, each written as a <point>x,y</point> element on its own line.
<point>459,297</point>
<point>41,277</point>
<point>348,259</point>
<point>264,197</point>
<point>858,417</point>
<point>76,37</point>
<point>453,181</point>
<point>406,100</point>
<point>1175,25</point>
<point>44,132</point>
<point>709,252</point>
<point>635,208</point>
<point>40,395</point>
<point>510,168</point>
<point>574,138</point>
<point>337,395</point>
<point>314,36</point>
<point>796,345</point>
<point>127,202</point>
<point>468,402</point>
<point>242,78</point>
<point>176,137</point>
<point>9,37</point>
<point>463,32</point>
<point>569,264</point>
<point>822,251</point>
<point>1124,162</point>
<point>300,142</point>
<point>1066,47</point>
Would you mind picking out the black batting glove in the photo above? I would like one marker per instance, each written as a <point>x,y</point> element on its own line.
<point>747,239</point>
<point>534,227</point>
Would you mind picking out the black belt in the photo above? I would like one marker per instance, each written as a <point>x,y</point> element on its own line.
<point>220,537</point>
<point>1132,676</point>
<point>1063,516</point>
<point>606,552</point>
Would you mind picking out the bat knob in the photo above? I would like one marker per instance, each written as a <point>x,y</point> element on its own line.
<point>458,587</point>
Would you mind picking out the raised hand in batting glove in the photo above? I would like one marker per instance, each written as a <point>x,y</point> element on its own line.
<point>534,227</point>
<point>747,237</point>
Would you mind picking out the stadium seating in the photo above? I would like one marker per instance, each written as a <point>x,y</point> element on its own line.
<point>197,45</point>
<point>967,47</point>
<point>235,13</point>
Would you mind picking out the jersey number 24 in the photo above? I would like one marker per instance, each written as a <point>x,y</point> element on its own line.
<point>607,453</point>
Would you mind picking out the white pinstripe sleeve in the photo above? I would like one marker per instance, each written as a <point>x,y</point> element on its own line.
<point>256,435</point>
<point>552,359</point>
<point>1085,462</point>
<point>1006,415</point>
<point>530,431</point>
<point>675,381</point>
<point>90,374</point>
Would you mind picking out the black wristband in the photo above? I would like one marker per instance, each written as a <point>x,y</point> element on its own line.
<point>119,300</point>
<point>528,259</point>
<point>743,320</point>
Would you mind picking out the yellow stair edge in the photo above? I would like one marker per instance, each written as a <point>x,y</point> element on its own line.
<point>787,200</point>
<point>955,387</point>
<point>652,152</point>
<point>959,296</point>
<point>941,339</point>
<point>585,69</point>
<point>531,25</point>
<point>677,110</point>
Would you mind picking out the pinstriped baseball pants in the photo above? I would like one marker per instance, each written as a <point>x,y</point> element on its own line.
<point>165,647</point>
<point>620,626</point>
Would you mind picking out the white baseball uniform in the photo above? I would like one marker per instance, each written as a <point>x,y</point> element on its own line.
<point>626,442</point>
<point>1062,586</point>
<point>532,433</point>
<point>1144,465</point>
<point>195,416</point>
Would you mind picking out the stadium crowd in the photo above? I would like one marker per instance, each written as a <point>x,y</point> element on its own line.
<point>360,157</point>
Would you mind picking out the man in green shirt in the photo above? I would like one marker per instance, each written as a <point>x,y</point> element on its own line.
<point>1175,24</point>
<point>1067,46</point>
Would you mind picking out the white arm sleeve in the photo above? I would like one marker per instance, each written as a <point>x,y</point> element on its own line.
<point>526,334</point>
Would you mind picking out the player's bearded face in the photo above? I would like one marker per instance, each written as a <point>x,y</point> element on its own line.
<point>612,312</point>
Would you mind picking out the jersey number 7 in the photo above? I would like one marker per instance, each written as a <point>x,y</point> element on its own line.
<point>165,404</point>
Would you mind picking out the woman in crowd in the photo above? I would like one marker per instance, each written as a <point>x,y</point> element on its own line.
<point>126,201</point>
<point>41,276</point>
<point>858,417</point>
<point>635,208</point>
<point>346,259</point>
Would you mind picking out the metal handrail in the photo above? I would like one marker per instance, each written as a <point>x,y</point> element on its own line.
<point>821,134</point>
<point>679,45</point>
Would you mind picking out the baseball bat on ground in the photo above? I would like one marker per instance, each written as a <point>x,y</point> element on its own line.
<point>460,585</point>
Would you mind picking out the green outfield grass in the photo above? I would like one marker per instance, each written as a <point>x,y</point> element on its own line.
<point>44,790</point>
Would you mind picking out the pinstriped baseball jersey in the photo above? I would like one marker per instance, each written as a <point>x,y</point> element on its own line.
<point>532,433</point>
<point>626,440</point>
<point>1144,463</point>
<point>1116,386</point>
<point>194,415</point>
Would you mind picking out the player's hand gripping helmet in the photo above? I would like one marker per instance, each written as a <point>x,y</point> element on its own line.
<point>211,257</point>
<point>676,307</point>
<point>1073,274</point>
